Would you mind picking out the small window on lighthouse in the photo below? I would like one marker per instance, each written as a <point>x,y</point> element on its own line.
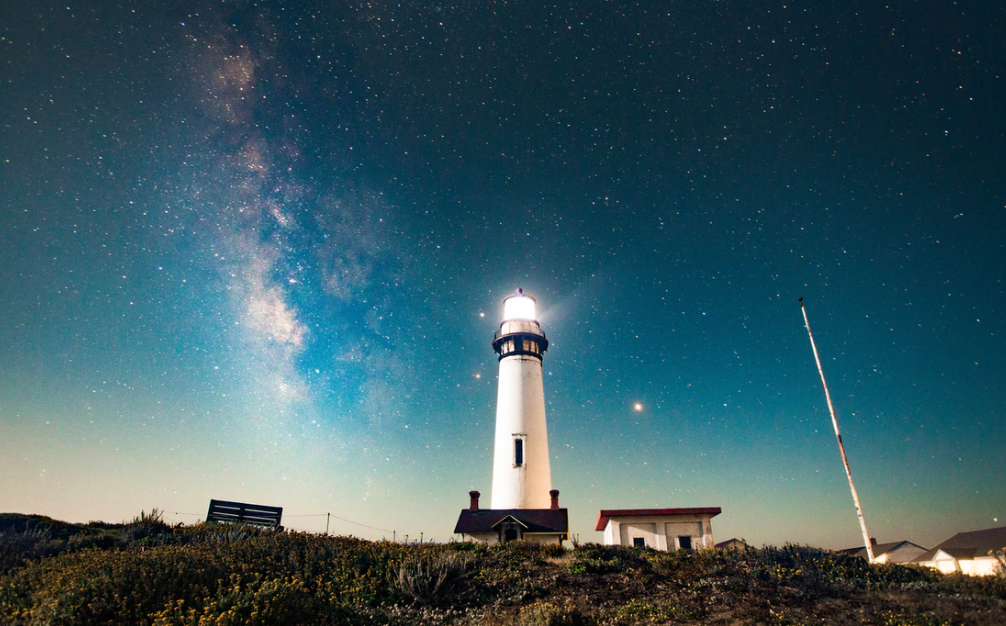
<point>518,452</point>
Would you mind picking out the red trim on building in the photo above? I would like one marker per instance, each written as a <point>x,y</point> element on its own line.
<point>602,519</point>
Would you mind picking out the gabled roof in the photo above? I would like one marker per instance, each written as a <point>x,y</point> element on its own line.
<point>510,517</point>
<point>473,521</point>
<point>880,548</point>
<point>956,554</point>
<point>968,545</point>
<point>606,515</point>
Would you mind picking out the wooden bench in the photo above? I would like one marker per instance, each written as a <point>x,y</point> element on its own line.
<point>242,513</point>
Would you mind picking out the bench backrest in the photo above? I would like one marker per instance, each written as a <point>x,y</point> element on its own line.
<point>242,513</point>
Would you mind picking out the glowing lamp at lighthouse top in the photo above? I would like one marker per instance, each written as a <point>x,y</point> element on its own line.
<point>519,307</point>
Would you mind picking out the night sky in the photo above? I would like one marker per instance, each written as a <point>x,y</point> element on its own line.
<point>257,252</point>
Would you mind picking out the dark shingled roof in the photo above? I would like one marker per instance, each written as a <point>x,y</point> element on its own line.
<point>734,541</point>
<point>969,545</point>
<point>879,548</point>
<point>473,521</point>
<point>602,519</point>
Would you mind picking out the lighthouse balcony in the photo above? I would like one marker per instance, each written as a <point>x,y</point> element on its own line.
<point>518,327</point>
<point>520,338</point>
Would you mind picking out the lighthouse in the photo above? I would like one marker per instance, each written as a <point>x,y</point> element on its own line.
<point>522,478</point>
<point>524,505</point>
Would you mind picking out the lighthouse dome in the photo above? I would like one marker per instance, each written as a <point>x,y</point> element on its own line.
<point>519,307</point>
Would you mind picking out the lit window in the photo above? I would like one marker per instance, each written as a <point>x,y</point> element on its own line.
<point>518,307</point>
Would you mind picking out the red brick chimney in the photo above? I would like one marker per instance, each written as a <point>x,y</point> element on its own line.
<point>555,498</point>
<point>474,495</point>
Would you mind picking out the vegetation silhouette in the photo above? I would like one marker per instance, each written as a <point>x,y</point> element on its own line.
<point>148,572</point>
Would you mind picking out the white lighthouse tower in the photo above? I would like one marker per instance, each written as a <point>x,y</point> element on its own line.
<point>522,478</point>
<point>524,505</point>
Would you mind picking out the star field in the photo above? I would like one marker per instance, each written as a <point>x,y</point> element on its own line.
<point>257,251</point>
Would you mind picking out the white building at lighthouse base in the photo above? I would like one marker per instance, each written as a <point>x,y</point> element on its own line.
<point>492,526</point>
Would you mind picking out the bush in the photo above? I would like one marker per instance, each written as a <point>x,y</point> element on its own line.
<point>592,558</point>
<point>20,547</point>
<point>641,611</point>
<point>549,614</point>
<point>250,579</point>
<point>431,576</point>
<point>144,572</point>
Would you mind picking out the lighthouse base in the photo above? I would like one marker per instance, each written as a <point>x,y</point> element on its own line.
<point>492,526</point>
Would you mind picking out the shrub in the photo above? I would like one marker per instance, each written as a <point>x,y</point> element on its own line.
<point>891,618</point>
<point>592,558</point>
<point>643,611</point>
<point>515,553</point>
<point>147,529</point>
<point>23,546</point>
<point>543,613</point>
<point>430,576</point>
<point>276,574</point>
<point>144,572</point>
<point>1000,557</point>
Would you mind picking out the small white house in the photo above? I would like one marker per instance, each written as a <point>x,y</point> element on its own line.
<point>660,529</point>
<point>895,552</point>
<point>968,553</point>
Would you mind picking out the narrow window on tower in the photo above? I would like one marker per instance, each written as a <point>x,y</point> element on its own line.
<point>518,452</point>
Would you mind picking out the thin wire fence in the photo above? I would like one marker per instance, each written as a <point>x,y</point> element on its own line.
<point>328,516</point>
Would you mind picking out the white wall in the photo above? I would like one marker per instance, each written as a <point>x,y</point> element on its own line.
<point>980,566</point>
<point>520,409</point>
<point>902,554</point>
<point>660,532</point>
<point>542,538</point>
<point>492,538</point>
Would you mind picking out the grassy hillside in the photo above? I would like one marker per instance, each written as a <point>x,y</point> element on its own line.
<point>146,572</point>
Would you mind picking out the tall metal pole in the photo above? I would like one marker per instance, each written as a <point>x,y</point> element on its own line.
<point>838,435</point>
<point>328,518</point>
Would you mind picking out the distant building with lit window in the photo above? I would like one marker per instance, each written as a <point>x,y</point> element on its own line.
<point>974,553</point>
